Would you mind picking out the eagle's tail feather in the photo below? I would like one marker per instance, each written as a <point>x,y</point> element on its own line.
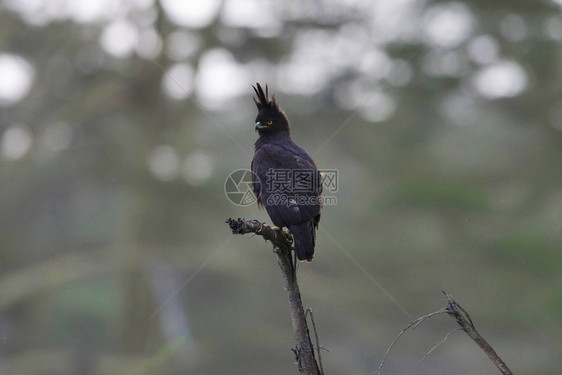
<point>304,238</point>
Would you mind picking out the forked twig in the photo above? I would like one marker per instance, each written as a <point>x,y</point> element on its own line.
<point>318,347</point>
<point>413,325</point>
<point>439,343</point>
<point>465,323</point>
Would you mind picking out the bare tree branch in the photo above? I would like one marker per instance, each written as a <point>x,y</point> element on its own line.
<point>439,343</point>
<point>413,325</point>
<point>464,321</point>
<point>318,347</point>
<point>304,350</point>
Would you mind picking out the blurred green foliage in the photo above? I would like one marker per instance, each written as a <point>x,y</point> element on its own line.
<point>443,120</point>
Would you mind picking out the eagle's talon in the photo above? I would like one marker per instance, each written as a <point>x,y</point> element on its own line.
<point>262,225</point>
<point>275,230</point>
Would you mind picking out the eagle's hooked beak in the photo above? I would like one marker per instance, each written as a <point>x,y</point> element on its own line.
<point>258,126</point>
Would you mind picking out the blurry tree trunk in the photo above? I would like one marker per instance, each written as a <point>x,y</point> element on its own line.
<point>304,350</point>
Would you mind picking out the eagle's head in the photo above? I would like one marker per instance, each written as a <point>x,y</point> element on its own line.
<point>270,119</point>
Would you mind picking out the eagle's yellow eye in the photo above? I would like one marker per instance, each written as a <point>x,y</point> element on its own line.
<point>269,122</point>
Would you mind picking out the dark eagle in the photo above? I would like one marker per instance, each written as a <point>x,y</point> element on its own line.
<point>285,179</point>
